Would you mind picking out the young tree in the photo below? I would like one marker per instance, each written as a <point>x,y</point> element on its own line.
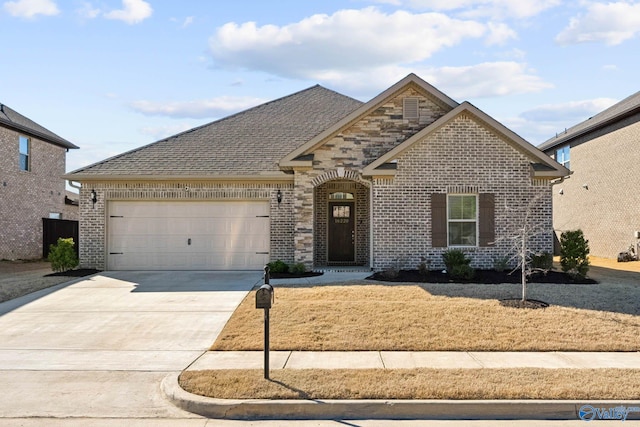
<point>527,260</point>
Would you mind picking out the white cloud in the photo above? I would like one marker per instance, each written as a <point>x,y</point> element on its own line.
<point>31,8</point>
<point>353,40</point>
<point>499,33</point>
<point>87,11</point>
<point>210,108</point>
<point>187,21</point>
<point>570,113</point>
<point>496,9</point>
<point>543,122</point>
<point>610,23</point>
<point>487,79</point>
<point>133,12</point>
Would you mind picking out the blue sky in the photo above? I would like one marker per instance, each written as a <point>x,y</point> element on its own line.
<point>113,75</point>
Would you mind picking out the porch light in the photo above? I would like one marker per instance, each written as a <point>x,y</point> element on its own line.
<point>279,196</point>
<point>94,198</point>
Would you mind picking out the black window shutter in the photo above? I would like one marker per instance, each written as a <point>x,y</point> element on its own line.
<point>487,233</point>
<point>438,220</point>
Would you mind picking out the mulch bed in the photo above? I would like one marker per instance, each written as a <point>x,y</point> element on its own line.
<point>528,303</point>
<point>295,276</point>
<point>481,277</point>
<point>80,272</point>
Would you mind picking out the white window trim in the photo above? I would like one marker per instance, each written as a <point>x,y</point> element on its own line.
<point>477,220</point>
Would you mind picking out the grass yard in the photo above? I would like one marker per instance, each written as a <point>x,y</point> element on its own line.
<point>584,384</point>
<point>430,317</point>
<point>439,317</point>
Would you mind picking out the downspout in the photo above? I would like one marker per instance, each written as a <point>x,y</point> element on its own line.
<point>71,184</point>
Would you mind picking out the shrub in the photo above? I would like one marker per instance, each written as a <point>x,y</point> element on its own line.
<point>423,267</point>
<point>542,261</point>
<point>62,256</point>
<point>298,268</point>
<point>462,272</point>
<point>501,264</point>
<point>278,267</point>
<point>454,257</point>
<point>574,254</point>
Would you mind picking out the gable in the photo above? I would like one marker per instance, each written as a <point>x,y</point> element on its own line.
<point>467,129</point>
<point>376,133</point>
<point>377,126</point>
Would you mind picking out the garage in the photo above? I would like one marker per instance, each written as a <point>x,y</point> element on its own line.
<point>189,235</point>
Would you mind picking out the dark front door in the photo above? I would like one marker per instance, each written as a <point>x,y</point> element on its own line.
<point>342,234</point>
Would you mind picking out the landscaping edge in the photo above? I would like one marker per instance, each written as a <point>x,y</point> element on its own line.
<point>381,409</point>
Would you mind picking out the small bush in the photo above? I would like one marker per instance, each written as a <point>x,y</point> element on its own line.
<point>62,256</point>
<point>298,268</point>
<point>423,267</point>
<point>574,254</point>
<point>501,264</point>
<point>278,267</point>
<point>454,257</point>
<point>542,261</point>
<point>462,272</point>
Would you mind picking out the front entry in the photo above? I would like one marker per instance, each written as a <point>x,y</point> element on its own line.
<point>342,232</point>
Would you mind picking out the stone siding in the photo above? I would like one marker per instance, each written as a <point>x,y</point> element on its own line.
<point>93,245</point>
<point>600,197</point>
<point>28,196</point>
<point>461,157</point>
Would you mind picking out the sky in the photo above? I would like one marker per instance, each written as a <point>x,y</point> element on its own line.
<point>114,75</point>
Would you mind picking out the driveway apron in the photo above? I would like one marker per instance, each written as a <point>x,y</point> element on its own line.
<point>100,346</point>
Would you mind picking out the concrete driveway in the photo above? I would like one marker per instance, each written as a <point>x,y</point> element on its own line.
<point>99,347</point>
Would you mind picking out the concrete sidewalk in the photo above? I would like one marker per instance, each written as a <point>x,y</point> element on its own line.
<point>415,359</point>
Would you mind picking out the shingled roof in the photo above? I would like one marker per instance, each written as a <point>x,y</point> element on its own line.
<point>14,120</point>
<point>248,143</point>
<point>622,110</point>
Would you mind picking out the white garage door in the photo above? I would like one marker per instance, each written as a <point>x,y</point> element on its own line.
<point>187,235</point>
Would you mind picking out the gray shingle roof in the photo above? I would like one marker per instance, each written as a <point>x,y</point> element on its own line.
<point>14,120</point>
<point>247,143</point>
<point>622,109</point>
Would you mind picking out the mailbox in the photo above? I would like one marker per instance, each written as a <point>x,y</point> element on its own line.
<point>264,296</point>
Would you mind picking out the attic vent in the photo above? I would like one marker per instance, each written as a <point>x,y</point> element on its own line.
<point>410,108</point>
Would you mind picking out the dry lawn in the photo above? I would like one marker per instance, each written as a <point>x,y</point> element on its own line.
<point>590,384</point>
<point>442,317</point>
<point>18,278</point>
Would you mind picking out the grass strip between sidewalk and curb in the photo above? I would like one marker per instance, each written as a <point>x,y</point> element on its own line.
<point>455,384</point>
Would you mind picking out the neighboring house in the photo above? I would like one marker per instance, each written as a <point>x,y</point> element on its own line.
<point>600,197</point>
<point>321,179</point>
<point>32,187</point>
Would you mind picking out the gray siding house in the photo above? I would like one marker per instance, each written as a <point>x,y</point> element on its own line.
<point>600,196</point>
<point>32,187</point>
<point>322,179</point>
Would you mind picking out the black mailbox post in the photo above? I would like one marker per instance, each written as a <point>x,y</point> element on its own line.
<point>264,300</point>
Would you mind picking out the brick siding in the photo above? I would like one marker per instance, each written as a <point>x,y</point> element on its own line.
<point>93,231</point>
<point>461,157</point>
<point>607,209</point>
<point>28,196</point>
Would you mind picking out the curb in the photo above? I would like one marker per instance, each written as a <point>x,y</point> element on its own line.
<point>378,409</point>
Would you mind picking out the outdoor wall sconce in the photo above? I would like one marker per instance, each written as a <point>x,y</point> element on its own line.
<point>94,198</point>
<point>279,196</point>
